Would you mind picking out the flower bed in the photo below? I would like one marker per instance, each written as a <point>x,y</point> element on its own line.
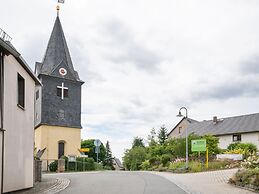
<point>248,175</point>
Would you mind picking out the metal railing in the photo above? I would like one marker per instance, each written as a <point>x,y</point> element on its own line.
<point>5,36</point>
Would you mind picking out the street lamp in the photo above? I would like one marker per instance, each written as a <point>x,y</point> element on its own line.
<point>186,134</point>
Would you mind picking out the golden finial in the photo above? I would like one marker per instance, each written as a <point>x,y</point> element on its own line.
<point>58,10</point>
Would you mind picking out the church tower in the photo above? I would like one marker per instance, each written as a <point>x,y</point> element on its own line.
<point>58,102</point>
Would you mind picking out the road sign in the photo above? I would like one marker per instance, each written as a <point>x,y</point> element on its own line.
<point>97,149</point>
<point>199,145</point>
<point>84,150</point>
<point>97,142</point>
<point>71,158</point>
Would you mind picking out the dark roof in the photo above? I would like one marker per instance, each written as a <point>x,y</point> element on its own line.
<point>8,48</point>
<point>189,120</point>
<point>56,53</point>
<point>229,125</point>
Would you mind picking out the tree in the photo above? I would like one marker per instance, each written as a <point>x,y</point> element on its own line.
<point>151,137</point>
<point>162,135</point>
<point>134,157</point>
<point>138,142</point>
<point>108,156</point>
<point>89,143</point>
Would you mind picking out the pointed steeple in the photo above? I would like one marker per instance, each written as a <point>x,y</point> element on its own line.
<point>57,53</point>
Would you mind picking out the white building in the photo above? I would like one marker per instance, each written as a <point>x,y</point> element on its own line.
<point>244,129</point>
<point>17,89</point>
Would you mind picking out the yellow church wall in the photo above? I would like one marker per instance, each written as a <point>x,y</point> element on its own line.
<point>49,136</point>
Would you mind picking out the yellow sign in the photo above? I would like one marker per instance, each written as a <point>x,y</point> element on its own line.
<point>84,150</point>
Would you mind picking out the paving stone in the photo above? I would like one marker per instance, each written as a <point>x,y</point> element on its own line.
<point>47,186</point>
<point>212,182</point>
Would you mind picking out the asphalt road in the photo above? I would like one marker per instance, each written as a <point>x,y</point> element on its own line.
<point>113,182</point>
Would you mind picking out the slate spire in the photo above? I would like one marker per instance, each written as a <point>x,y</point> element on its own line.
<point>57,53</point>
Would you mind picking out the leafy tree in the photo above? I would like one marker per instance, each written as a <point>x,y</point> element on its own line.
<point>89,143</point>
<point>162,134</point>
<point>151,137</point>
<point>108,157</point>
<point>212,143</point>
<point>138,142</point>
<point>134,157</point>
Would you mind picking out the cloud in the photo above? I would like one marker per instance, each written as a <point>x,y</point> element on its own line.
<point>250,66</point>
<point>142,60</point>
<point>128,49</point>
<point>228,89</point>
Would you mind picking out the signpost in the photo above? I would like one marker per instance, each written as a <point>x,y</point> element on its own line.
<point>199,145</point>
<point>84,150</point>
<point>97,144</point>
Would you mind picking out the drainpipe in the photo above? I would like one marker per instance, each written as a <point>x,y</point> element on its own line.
<point>1,114</point>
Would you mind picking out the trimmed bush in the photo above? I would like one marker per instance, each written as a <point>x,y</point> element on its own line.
<point>85,164</point>
<point>53,166</point>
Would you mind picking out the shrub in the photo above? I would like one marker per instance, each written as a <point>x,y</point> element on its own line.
<point>246,177</point>
<point>86,164</point>
<point>248,148</point>
<point>154,161</point>
<point>235,151</point>
<point>145,165</point>
<point>176,165</point>
<point>165,158</point>
<point>53,166</point>
<point>98,166</point>
<point>195,166</point>
<point>161,168</point>
<point>251,162</point>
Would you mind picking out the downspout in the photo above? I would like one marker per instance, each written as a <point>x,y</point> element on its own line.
<point>1,115</point>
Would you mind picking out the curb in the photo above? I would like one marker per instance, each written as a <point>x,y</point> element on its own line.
<point>245,188</point>
<point>60,185</point>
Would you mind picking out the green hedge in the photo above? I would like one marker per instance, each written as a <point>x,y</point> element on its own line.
<point>53,166</point>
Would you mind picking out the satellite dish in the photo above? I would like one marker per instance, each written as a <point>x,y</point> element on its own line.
<point>97,142</point>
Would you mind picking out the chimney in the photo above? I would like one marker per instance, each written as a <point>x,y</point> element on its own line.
<point>215,119</point>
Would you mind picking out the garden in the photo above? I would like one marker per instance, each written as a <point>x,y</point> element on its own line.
<point>162,154</point>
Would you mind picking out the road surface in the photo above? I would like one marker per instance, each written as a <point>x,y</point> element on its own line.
<point>117,182</point>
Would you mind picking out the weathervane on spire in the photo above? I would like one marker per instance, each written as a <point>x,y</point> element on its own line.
<point>59,1</point>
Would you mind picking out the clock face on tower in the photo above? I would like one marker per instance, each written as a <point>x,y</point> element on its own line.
<point>62,71</point>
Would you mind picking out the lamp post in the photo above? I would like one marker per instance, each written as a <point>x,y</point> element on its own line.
<point>186,133</point>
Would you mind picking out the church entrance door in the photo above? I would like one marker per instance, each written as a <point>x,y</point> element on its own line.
<point>61,149</point>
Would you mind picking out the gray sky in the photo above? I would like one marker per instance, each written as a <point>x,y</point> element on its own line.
<point>144,59</point>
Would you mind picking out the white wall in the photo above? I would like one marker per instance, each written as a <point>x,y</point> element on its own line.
<point>19,126</point>
<point>225,140</point>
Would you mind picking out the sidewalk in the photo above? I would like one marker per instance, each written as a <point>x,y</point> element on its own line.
<point>47,186</point>
<point>212,182</point>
